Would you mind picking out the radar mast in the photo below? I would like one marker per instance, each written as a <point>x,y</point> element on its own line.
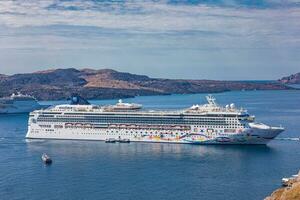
<point>211,100</point>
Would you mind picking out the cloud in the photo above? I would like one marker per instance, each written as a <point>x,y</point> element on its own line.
<point>198,30</point>
<point>258,24</point>
<point>149,16</point>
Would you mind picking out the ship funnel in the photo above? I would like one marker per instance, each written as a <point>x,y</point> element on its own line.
<point>78,100</point>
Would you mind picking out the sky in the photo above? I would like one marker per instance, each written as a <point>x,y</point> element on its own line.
<point>196,39</point>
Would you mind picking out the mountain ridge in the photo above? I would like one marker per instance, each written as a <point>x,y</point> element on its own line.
<point>57,84</point>
<point>292,79</point>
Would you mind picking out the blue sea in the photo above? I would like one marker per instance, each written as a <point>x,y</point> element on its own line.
<point>150,171</point>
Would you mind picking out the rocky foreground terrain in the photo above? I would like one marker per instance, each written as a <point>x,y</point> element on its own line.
<point>292,79</point>
<point>107,84</point>
<point>290,192</point>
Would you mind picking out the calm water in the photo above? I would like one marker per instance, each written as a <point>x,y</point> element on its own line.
<point>96,170</point>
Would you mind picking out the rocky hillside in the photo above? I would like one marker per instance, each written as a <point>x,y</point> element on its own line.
<point>106,83</point>
<point>290,192</point>
<point>292,79</point>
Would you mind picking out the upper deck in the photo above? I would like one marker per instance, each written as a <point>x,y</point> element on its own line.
<point>128,109</point>
<point>17,97</point>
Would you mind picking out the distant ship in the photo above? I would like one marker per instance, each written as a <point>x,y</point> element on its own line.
<point>18,103</point>
<point>200,124</point>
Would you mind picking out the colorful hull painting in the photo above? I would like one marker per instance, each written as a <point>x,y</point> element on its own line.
<point>201,138</point>
<point>85,133</point>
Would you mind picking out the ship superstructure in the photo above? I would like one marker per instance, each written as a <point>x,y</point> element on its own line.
<point>200,124</point>
<point>18,103</point>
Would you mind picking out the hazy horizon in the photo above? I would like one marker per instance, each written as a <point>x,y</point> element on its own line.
<point>82,68</point>
<point>189,39</point>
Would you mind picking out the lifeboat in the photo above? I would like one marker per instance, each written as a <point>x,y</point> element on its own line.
<point>143,127</point>
<point>113,125</point>
<point>133,126</point>
<point>78,125</point>
<point>88,125</point>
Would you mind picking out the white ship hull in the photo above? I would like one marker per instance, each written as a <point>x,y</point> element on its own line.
<point>248,136</point>
<point>19,107</point>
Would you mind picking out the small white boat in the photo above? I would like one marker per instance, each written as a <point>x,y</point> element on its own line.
<point>110,140</point>
<point>288,181</point>
<point>46,159</point>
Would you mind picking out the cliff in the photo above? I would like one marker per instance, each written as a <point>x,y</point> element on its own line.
<point>290,192</point>
<point>292,79</point>
<point>106,83</point>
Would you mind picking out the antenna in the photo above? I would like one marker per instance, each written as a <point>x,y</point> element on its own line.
<point>211,100</point>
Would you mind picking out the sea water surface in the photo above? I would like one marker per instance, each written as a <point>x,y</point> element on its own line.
<point>146,171</point>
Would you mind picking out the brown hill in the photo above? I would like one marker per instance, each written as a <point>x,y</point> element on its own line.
<point>2,76</point>
<point>106,83</point>
<point>289,192</point>
<point>292,79</point>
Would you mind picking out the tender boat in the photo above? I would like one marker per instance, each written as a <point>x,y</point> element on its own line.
<point>110,140</point>
<point>124,141</point>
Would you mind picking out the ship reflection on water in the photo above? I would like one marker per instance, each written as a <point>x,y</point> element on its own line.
<point>134,150</point>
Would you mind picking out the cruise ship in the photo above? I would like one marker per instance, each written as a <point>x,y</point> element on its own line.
<point>18,103</point>
<point>200,124</point>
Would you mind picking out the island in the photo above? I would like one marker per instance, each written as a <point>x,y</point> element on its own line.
<point>292,79</point>
<point>59,84</point>
<point>289,191</point>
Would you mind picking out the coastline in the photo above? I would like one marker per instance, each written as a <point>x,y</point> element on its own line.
<point>169,94</point>
<point>60,84</point>
<point>290,189</point>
